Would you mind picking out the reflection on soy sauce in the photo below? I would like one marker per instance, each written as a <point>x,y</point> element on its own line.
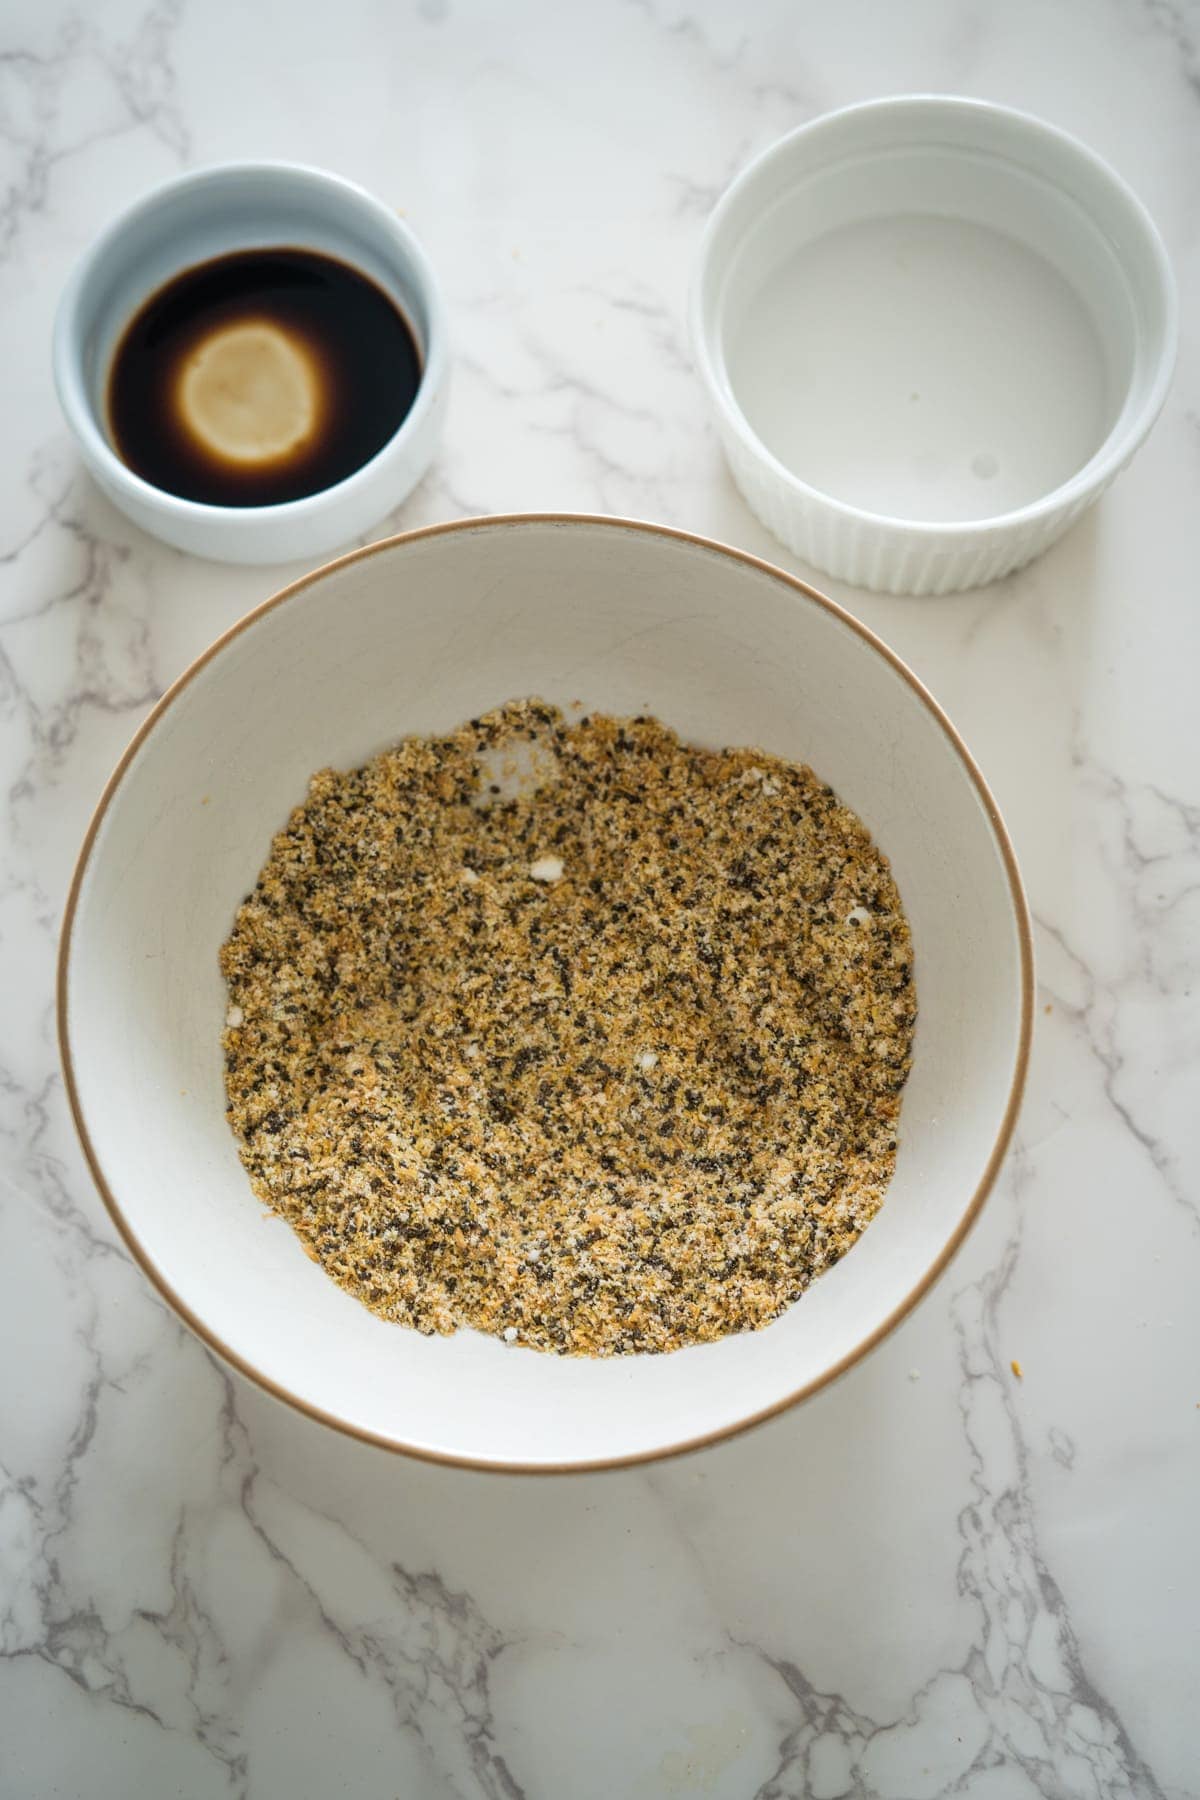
<point>260,377</point>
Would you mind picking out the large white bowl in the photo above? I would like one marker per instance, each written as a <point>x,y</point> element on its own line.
<point>414,635</point>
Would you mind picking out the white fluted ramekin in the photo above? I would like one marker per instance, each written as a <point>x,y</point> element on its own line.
<point>1006,203</point>
<point>239,206</point>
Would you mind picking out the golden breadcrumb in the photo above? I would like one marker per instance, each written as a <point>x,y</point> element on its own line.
<point>573,1033</point>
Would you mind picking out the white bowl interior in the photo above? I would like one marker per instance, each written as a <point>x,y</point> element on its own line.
<point>415,636</point>
<point>933,311</point>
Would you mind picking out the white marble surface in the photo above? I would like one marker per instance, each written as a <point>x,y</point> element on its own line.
<point>933,1580</point>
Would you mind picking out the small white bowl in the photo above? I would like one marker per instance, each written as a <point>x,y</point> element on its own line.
<point>933,331</point>
<point>417,634</point>
<point>240,206</point>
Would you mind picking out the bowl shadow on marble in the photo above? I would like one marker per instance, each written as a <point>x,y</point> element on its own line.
<point>416,634</point>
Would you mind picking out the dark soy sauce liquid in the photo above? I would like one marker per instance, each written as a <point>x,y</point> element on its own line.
<point>292,334</point>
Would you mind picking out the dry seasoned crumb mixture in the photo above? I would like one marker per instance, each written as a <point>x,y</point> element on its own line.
<point>573,1033</point>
